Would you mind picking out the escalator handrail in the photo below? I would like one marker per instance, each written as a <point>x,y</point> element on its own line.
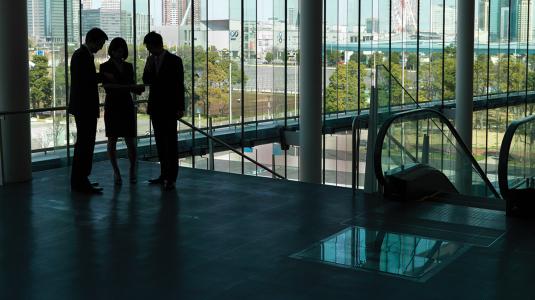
<point>384,130</point>
<point>503,162</point>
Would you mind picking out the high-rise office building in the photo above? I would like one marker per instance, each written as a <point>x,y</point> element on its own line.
<point>450,26</point>
<point>178,12</point>
<point>114,22</point>
<point>372,25</point>
<point>55,26</point>
<point>523,32</point>
<point>504,23</point>
<point>142,24</point>
<point>497,18</point>
<point>86,4</point>
<point>111,4</point>
<point>36,19</point>
<point>293,16</point>
<point>483,15</point>
<point>75,22</point>
<point>514,22</point>
<point>46,20</point>
<point>170,12</point>
<point>439,13</point>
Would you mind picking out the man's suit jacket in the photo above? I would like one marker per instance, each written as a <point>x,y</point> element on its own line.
<point>166,96</point>
<point>84,98</point>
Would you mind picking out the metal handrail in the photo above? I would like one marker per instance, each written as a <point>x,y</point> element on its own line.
<point>29,111</point>
<point>355,146</point>
<point>421,111</point>
<point>3,114</point>
<point>229,147</point>
<point>503,162</point>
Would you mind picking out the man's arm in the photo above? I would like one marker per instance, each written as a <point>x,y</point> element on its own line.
<point>148,72</point>
<point>77,75</point>
<point>77,87</point>
<point>181,91</point>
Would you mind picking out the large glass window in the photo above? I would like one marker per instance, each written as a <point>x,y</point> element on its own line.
<point>241,61</point>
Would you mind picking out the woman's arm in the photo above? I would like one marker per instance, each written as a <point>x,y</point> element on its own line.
<point>136,89</point>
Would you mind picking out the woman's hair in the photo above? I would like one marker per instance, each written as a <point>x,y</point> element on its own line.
<point>118,43</point>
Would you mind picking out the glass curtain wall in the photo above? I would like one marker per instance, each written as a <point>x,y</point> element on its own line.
<point>241,62</point>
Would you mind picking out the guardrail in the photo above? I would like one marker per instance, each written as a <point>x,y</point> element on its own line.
<point>64,108</point>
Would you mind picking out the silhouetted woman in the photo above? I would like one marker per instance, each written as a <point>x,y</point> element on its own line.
<point>119,109</point>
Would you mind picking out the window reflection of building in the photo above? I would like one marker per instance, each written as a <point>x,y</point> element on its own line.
<point>393,253</point>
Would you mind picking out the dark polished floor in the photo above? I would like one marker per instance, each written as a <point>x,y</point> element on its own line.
<point>221,236</point>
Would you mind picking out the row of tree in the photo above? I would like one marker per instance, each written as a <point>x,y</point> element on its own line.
<point>215,72</point>
<point>436,74</point>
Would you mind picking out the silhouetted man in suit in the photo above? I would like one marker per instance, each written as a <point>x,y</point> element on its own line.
<point>84,106</point>
<point>164,72</point>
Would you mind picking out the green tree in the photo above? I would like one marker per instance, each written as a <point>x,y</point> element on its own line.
<point>269,57</point>
<point>218,71</point>
<point>377,58</point>
<point>395,58</point>
<point>411,61</point>
<point>355,56</point>
<point>40,83</point>
<point>334,57</point>
<point>214,71</point>
<point>60,84</point>
<point>342,91</point>
<point>434,83</point>
<point>531,80</point>
<point>480,74</point>
<point>517,74</point>
<point>508,73</point>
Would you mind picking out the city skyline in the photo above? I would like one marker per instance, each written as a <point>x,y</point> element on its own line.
<point>501,21</point>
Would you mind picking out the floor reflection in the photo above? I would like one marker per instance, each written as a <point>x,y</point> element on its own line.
<point>391,253</point>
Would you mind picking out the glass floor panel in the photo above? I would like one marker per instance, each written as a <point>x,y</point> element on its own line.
<point>407,256</point>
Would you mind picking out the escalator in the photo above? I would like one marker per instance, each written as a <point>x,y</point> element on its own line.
<point>419,155</point>
<point>516,168</point>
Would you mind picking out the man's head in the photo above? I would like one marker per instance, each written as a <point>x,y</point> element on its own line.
<point>154,43</point>
<point>95,39</point>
